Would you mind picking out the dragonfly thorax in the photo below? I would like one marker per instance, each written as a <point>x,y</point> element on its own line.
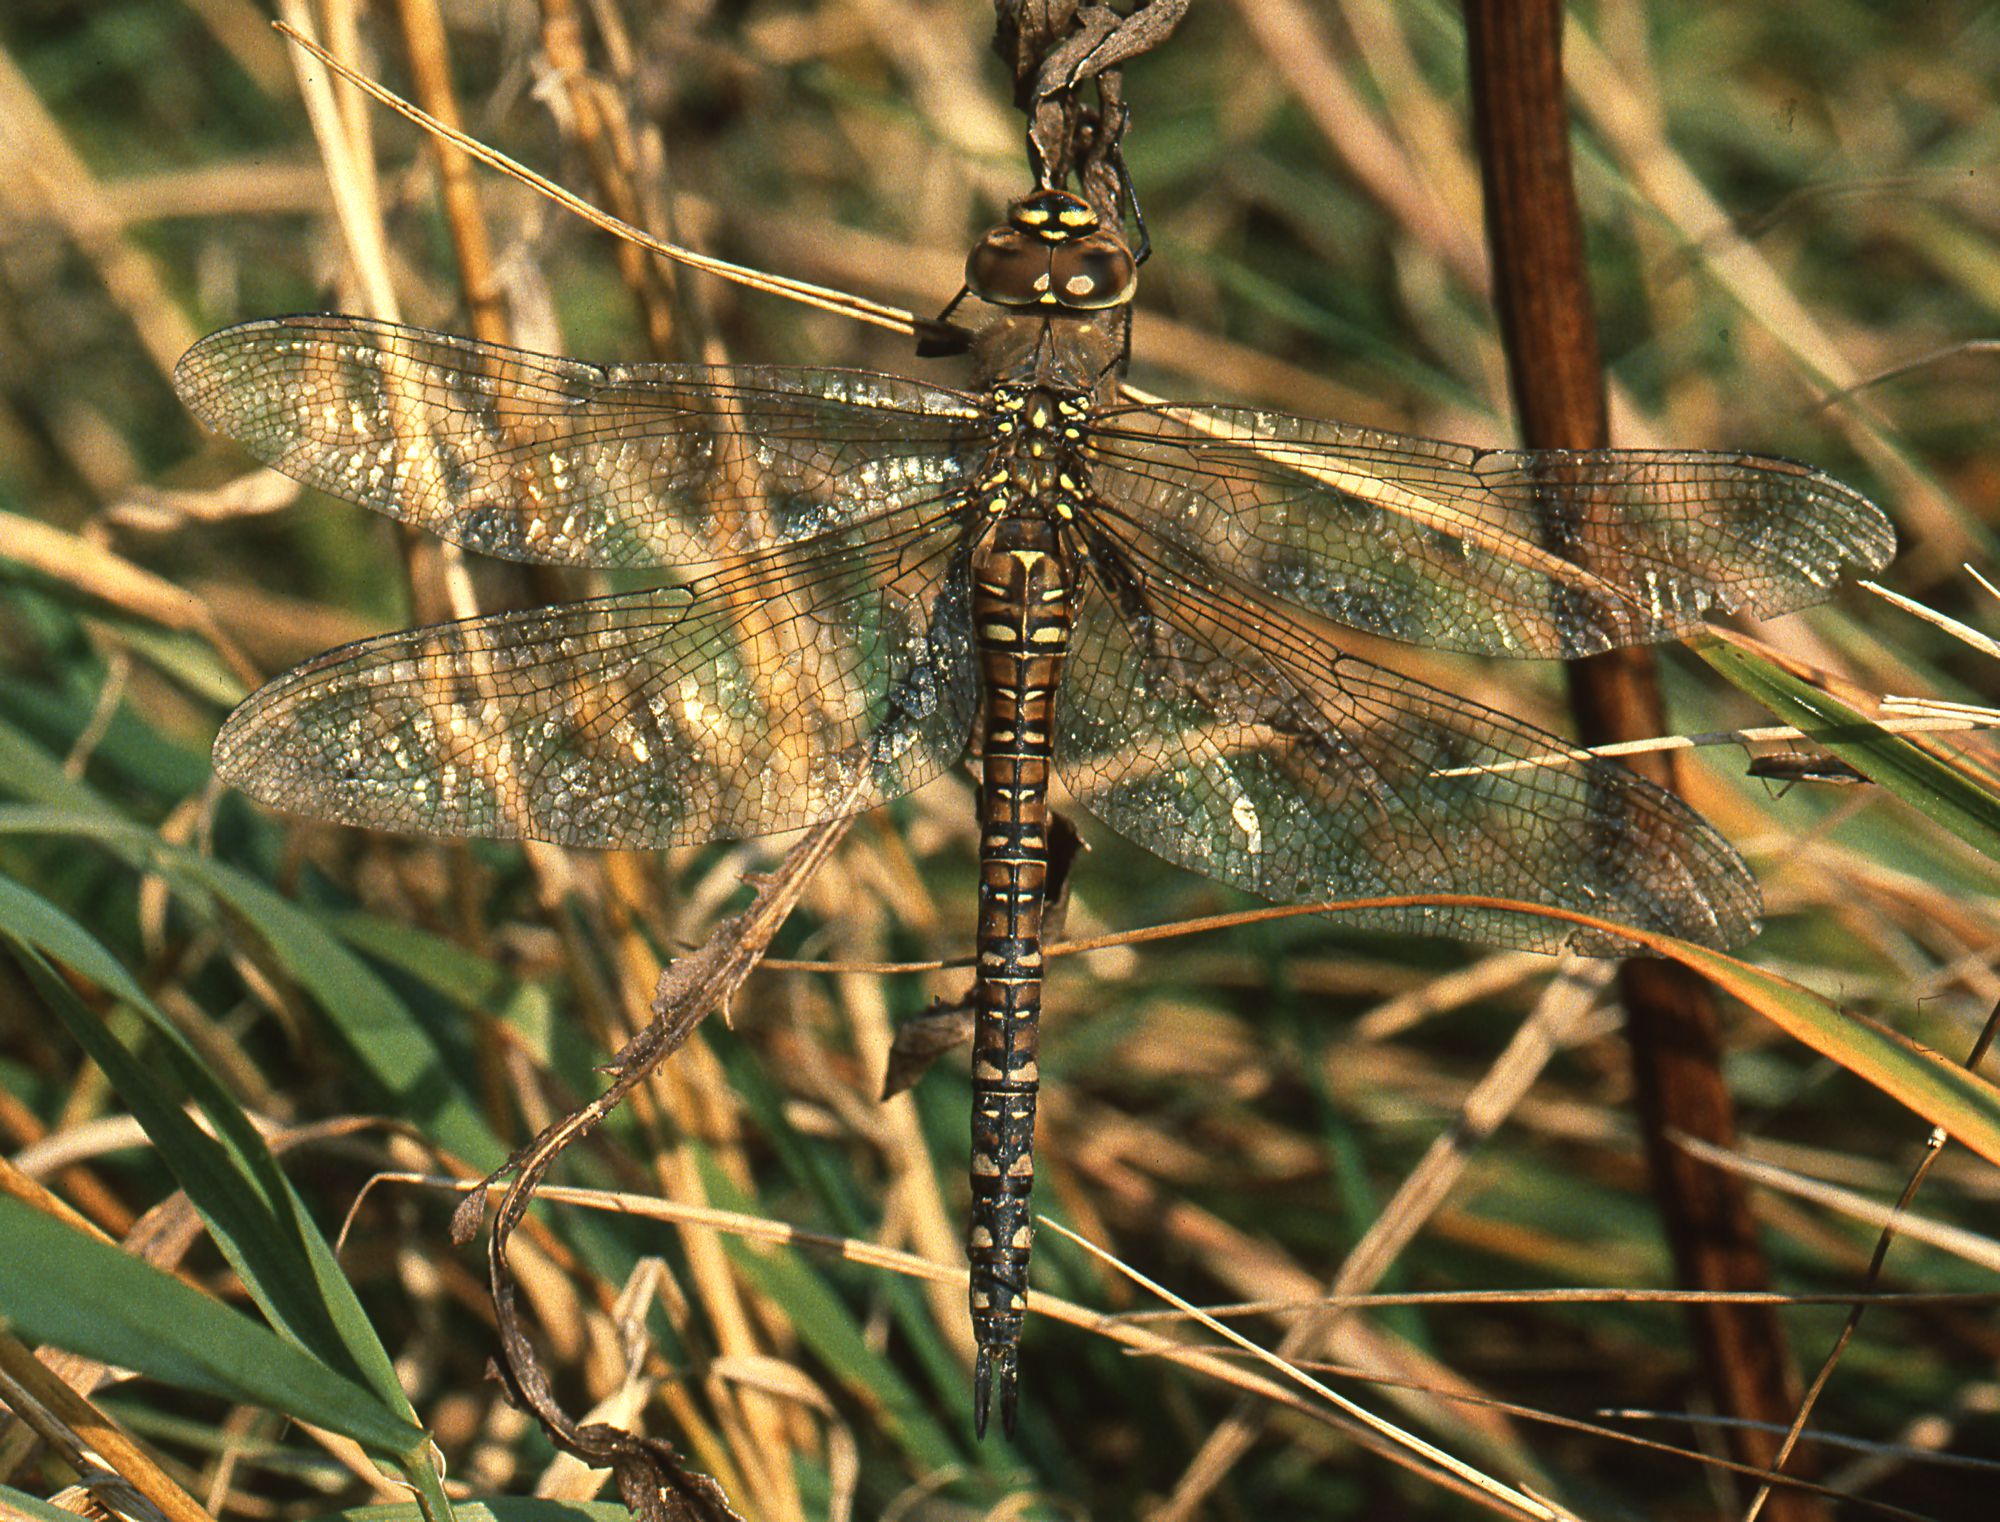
<point>1054,255</point>
<point>1026,348</point>
<point>1036,466</point>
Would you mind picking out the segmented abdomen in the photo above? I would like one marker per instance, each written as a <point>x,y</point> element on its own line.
<point>1021,612</point>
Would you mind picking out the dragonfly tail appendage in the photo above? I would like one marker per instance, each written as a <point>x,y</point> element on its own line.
<point>998,1368</point>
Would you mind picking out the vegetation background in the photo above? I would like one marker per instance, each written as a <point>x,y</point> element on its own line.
<point>1782,202</point>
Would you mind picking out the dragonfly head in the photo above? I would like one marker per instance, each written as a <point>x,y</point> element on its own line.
<point>1052,254</point>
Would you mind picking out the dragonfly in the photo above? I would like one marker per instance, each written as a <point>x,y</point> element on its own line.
<point>858,581</point>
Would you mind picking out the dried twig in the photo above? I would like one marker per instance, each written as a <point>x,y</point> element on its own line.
<point>1535,231</point>
<point>651,1478</point>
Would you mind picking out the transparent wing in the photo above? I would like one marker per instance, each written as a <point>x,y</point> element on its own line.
<point>1204,723</point>
<point>1485,550</point>
<point>795,688</point>
<point>538,458</point>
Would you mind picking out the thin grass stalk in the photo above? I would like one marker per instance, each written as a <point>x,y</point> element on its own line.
<point>430,71</point>
<point>599,128</point>
<point>52,1407</point>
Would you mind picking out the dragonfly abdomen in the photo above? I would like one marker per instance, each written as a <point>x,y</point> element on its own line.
<point>1021,615</point>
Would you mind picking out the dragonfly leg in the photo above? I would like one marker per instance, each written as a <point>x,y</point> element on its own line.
<point>944,337</point>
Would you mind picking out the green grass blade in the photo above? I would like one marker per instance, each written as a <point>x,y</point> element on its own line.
<point>230,1177</point>
<point>28,771</point>
<point>60,1286</point>
<point>1940,1090</point>
<point>20,1504</point>
<point>1939,791</point>
<point>379,1028</point>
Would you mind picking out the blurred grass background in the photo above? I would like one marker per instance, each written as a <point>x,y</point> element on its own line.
<point>1782,203</point>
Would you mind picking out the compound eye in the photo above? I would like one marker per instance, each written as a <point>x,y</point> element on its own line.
<point>1009,268</point>
<point>1093,273</point>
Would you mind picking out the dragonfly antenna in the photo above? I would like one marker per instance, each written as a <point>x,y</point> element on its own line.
<point>895,319</point>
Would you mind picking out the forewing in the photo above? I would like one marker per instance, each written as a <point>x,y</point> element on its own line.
<point>1203,722</point>
<point>805,684</point>
<point>1501,552</point>
<point>533,457</point>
